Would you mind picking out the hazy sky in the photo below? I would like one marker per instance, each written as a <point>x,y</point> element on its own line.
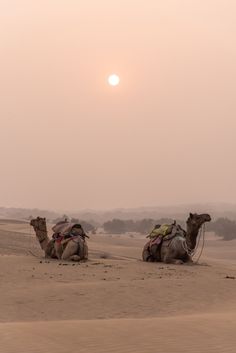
<point>166,135</point>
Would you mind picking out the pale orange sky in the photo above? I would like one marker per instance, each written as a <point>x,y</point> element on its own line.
<point>166,135</point>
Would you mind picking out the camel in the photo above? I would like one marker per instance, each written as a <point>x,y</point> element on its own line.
<point>179,248</point>
<point>73,249</point>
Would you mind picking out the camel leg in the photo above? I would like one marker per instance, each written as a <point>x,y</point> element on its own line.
<point>147,257</point>
<point>155,253</point>
<point>85,251</point>
<point>170,256</point>
<point>75,258</point>
<point>188,260</point>
<point>171,260</point>
<point>50,250</point>
<point>58,249</point>
<point>70,252</point>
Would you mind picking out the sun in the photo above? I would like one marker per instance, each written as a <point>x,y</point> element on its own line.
<point>113,80</point>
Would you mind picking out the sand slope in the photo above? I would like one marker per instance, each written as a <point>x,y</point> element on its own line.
<point>213,333</point>
<point>114,302</point>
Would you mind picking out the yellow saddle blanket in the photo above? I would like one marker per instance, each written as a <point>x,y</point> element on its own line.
<point>163,230</point>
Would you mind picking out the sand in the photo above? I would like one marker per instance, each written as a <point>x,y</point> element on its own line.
<point>114,302</point>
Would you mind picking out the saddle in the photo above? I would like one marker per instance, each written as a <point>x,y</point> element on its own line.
<point>152,249</point>
<point>75,238</point>
<point>65,231</point>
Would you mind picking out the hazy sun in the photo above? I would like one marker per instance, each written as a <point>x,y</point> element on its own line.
<point>113,80</point>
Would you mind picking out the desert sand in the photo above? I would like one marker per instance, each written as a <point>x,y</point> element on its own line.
<point>114,302</point>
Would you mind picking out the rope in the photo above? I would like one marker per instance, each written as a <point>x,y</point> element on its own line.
<point>202,234</point>
<point>192,252</point>
<point>198,242</point>
<point>189,251</point>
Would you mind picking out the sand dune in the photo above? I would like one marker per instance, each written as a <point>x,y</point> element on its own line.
<point>196,333</point>
<point>114,302</point>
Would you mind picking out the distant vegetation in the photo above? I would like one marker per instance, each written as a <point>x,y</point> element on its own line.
<point>143,226</point>
<point>130,220</point>
<point>223,227</point>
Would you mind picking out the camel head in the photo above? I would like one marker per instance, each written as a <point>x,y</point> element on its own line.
<point>39,223</point>
<point>195,221</point>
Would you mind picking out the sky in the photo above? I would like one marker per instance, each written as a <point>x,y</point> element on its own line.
<point>165,135</point>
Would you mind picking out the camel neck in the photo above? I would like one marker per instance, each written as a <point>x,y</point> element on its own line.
<point>43,239</point>
<point>191,236</point>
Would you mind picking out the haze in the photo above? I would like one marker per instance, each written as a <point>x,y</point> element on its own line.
<point>165,135</point>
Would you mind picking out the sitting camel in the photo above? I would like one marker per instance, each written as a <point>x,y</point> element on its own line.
<point>72,248</point>
<point>178,248</point>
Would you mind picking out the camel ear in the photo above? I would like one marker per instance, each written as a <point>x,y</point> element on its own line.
<point>190,215</point>
<point>44,219</point>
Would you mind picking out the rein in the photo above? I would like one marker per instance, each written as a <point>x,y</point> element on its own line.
<point>202,234</point>
<point>192,252</point>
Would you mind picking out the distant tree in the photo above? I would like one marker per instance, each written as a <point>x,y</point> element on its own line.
<point>224,228</point>
<point>116,226</point>
<point>130,225</point>
<point>144,226</point>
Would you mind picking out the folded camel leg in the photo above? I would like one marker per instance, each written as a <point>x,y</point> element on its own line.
<point>75,258</point>
<point>71,252</point>
<point>84,250</point>
<point>58,249</point>
<point>170,260</point>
